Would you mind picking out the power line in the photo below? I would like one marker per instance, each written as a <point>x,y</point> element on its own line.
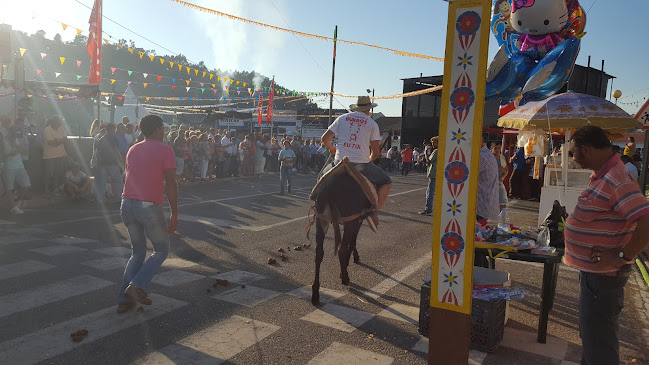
<point>591,6</point>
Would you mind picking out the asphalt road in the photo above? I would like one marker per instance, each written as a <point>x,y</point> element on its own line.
<point>60,268</point>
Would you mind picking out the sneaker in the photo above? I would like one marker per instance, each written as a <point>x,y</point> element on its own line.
<point>425,212</point>
<point>16,210</point>
<point>373,221</point>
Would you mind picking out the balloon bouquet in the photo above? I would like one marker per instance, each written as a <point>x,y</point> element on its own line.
<point>539,42</point>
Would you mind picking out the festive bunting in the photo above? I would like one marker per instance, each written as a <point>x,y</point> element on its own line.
<point>130,50</point>
<point>62,59</point>
<point>238,82</point>
<point>159,78</point>
<point>187,88</point>
<point>231,81</point>
<point>218,78</point>
<point>180,68</point>
<point>187,81</point>
<point>65,26</point>
<point>78,31</point>
<point>162,62</point>
<point>244,84</point>
<point>202,84</point>
<point>202,90</point>
<point>211,75</point>
<point>43,55</point>
<point>151,57</point>
<point>78,63</point>
<point>145,84</point>
<point>57,74</point>
<point>78,77</point>
<point>38,72</point>
<point>147,98</point>
<point>173,87</point>
<point>173,80</point>
<point>60,96</point>
<point>196,72</point>
<point>106,41</point>
<point>22,51</point>
<point>128,82</point>
<point>130,72</point>
<point>141,54</point>
<point>171,64</point>
<point>112,70</point>
<point>145,75</point>
<point>112,81</point>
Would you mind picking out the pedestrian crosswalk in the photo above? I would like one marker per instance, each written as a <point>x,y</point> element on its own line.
<point>83,269</point>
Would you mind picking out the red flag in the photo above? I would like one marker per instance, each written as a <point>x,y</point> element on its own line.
<point>269,109</point>
<point>260,109</point>
<point>94,43</point>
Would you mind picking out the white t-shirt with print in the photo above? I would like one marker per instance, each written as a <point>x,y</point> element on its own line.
<point>354,132</point>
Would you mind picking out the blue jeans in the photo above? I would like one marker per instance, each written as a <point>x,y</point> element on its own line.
<point>285,177</point>
<point>101,176</point>
<point>601,300</point>
<point>430,194</point>
<point>143,220</point>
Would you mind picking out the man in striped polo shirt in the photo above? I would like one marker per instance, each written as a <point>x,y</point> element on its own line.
<point>607,229</point>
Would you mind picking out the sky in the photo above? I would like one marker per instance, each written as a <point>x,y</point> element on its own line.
<point>616,33</point>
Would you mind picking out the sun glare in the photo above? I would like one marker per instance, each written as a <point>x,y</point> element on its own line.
<point>32,15</point>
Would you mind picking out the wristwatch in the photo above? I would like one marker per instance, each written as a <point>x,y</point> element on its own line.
<point>621,254</point>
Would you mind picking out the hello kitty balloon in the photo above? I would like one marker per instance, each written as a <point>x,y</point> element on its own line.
<point>539,42</point>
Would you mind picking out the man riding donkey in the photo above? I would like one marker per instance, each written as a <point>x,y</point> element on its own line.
<point>358,141</point>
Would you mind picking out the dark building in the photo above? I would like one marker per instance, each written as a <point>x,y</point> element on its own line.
<point>420,114</point>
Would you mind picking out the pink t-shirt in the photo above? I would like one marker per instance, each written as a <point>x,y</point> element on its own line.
<point>145,165</point>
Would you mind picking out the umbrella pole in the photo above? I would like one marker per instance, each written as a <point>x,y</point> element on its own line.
<point>564,162</point>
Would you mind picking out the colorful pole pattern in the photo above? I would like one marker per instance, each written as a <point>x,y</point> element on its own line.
<point>460,141</point>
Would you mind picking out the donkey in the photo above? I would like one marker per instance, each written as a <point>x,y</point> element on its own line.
<point>339,199</point>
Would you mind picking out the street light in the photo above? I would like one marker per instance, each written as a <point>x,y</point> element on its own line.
<point>372,101</point>
<point>616,95</point>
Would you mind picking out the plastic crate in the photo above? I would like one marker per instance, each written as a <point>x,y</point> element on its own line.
<point>487,321</point>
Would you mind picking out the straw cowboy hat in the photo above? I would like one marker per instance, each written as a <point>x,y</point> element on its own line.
<point>363,103</point>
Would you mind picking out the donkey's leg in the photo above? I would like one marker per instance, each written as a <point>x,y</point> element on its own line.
<point>348,245</point>
<point>321,230</point>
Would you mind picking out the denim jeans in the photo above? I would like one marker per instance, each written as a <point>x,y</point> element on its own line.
<point>101,176</point>
<point>601,300</point>
<point>430,194</point>
<point>285,177</point>
<point>143,220</point>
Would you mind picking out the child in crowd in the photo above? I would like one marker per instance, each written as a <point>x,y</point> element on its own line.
<point>77,184</point>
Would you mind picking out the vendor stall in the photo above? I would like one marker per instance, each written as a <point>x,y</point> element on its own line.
<point>563,179</point>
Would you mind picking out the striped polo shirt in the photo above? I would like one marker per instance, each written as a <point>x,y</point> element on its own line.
<point>605,216</point>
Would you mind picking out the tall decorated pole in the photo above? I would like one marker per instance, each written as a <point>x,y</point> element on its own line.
<point>460,129</point>
<point>94,49</point>
<point>269,109</point>
<point>333,76</point>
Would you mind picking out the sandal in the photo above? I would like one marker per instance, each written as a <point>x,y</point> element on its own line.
<point>125,307</point>
<point>137,294</point>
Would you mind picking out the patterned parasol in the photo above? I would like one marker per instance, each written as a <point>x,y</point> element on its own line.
<point>569,110</point>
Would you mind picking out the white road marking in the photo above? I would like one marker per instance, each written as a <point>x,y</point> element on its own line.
<point>401,312</point>
<point>57,250</point>
<point>239,277</point>
<point>213,345</point>
<point>175,277</point>
<point>338,353</point>
<point>406,192</point>
<point>213,222</point>
<point>389,283</point>
<point>50,293</point>
<point>115,251</point>
<point>23,268</point>
<point>72,240</point>
<point>338,317</point>
<point>109,263</point>
<point>249,296</point>
<point>55,340</point>
<point>326,295</point>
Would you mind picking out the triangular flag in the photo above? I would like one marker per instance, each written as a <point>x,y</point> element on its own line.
<point>211,75</point>
<point>202,91</point>
<point>128,82</point>
<point>141,54</point>
<point>218,78</point>
<point>188,69</point>
<point>214,91</point>
<point>145,75</point>
<point>238,82</point>
<point>162,62</point>
<point>204,73</point>
<point>107,98</point>
<point>78,77</point>
<point>187,81</point>
<point>238,92</point>
<point>130,72</point>
<point>57,74</point>
<point>112,70</point>
<point>159,85</point>
<point>78,63</point>
<point>120,98</point>
<point>225,79</point>
<point>231,81</point>
<point>187,88</point>
<point>62,59</point>
<point>105,40</point>
<point>196,72</point>
<point>202,84</point>
<point>151,57</point>
<point>226,87</point>
<point>78,31</point>
<point>190,98</point>
<point>130,50</point>
<point>43,55</point>
<point>22,51</point>
<point>145,84</point>
<point>60,96</point>
<point>181,99</point>
<point>112,81</point>
<point>173,80</point>
<point>65,26</point>
<point>180,68</point>
<point>173,87</point>
<point>213,85</point>
<point>38,72</point>
<point>147,98</point>
<point>159,78</point>
<point>171,64</point>
<point>244,84</point>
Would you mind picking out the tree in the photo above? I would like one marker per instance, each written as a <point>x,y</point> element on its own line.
<point>57,38</point>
